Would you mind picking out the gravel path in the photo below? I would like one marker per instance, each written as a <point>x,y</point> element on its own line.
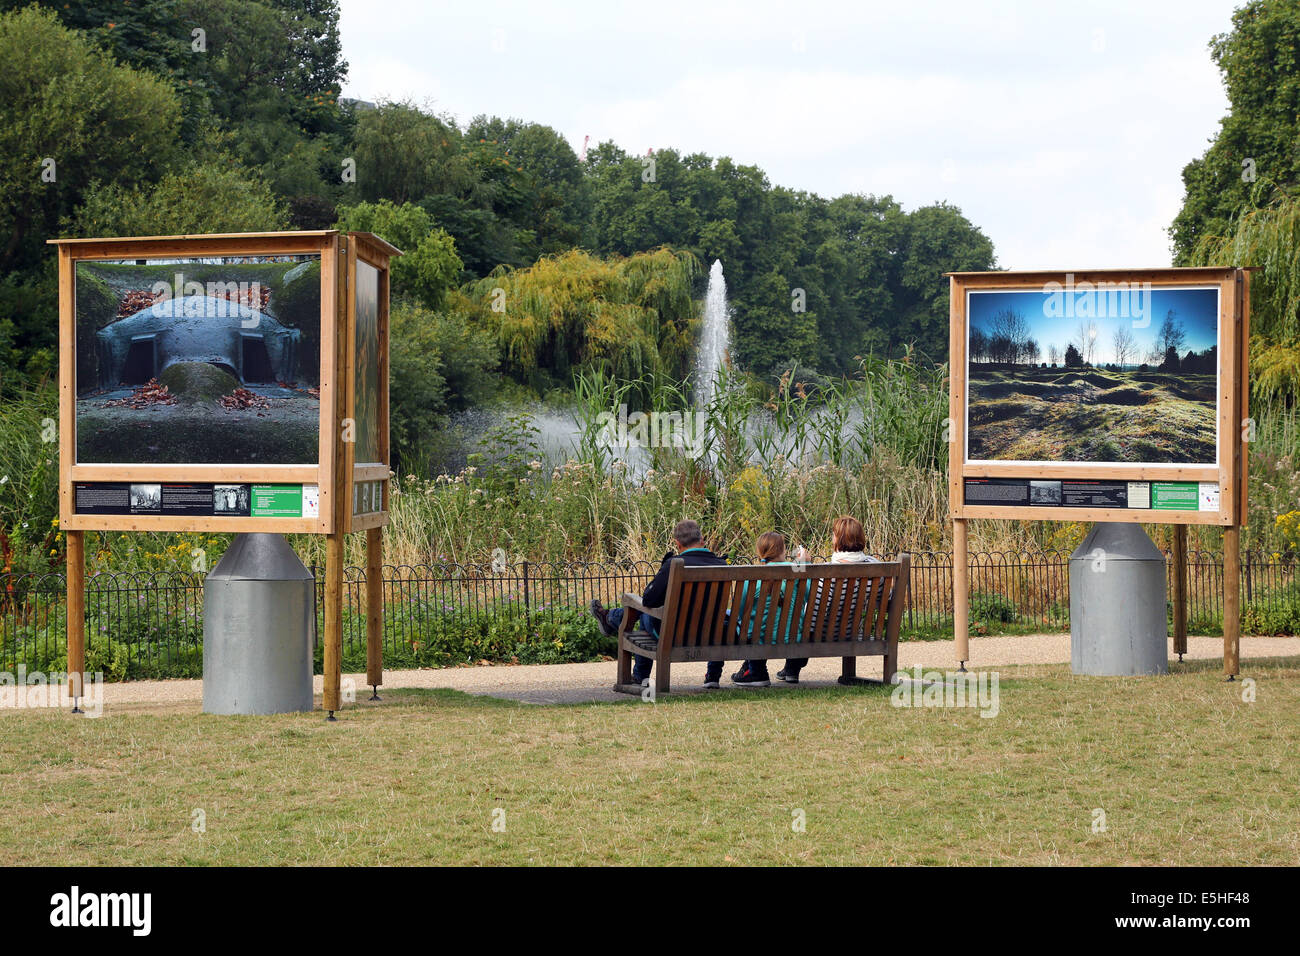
<point>578,683</point>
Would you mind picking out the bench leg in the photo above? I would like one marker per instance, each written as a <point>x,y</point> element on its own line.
<point>624,665</point>
<point>891,661</point>
<point>662,668</point>
<point>849,674</point>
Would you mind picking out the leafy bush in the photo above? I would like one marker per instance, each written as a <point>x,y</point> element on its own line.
<point>1274,614</point>
<point>992,608</point>
<point>507,634</point>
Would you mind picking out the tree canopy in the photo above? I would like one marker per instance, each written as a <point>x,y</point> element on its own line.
<point>1254,151</point>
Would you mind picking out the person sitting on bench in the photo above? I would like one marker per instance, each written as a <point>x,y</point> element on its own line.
<point>849,540</point>
<point>771,550</point>
<point>694,553</point>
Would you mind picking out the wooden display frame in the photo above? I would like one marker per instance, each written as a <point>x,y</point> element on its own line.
<point>1230,471</point>
<point>334,474</point>
<point>375,252</point>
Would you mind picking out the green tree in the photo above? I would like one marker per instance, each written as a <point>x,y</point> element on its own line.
<point>558,197</point>
<point>938,239</point>
<point>429,266</point>
<point>62,99</point>
<point>203,197</point>
<point>1255,148</point>
<point>773,334</point>
<point>628,316</point>
<point>439,362</point>
<point>404,154</point>
<point>1269,239</point>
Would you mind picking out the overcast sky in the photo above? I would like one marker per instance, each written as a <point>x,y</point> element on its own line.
<point>1060,129</point>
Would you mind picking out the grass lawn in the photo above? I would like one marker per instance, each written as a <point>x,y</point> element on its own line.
<point>1185,770</point>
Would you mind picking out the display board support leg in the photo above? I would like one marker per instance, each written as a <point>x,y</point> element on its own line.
<point>76,608</point>
<point>1180,590</point>
<point>374,610</point>
<point>960,592</point>
<point>1232,602</point>
<point>333,622</point>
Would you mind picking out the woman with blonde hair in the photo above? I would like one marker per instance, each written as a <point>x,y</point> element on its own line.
<point>849,540</point>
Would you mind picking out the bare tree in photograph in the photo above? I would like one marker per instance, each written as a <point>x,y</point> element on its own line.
<point>1054,354</point>
<point>1008,337</point>
<point>1086,340</point>
<point>1125,346</point>
<point>979,346</point>
<point>1171,335</point>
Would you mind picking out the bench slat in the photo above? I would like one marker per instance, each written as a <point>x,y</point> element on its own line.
<point>824,610</point>
<point>766,596</point>
<point>683,613</point>
<point>882,608</point>
<point>738,621</point>
<point>862,599</point>
<point>791,603</point>
<point>718,619</point>
<point>709,632</point>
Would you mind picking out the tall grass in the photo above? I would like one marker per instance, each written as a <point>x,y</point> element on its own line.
<point>29,458</point>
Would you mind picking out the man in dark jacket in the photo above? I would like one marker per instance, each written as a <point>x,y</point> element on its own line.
<point>694,553</point>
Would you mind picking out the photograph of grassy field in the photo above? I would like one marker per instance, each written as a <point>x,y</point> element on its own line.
<point>1082,382</point>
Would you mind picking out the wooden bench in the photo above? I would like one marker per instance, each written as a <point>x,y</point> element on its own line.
<point>702,618</point>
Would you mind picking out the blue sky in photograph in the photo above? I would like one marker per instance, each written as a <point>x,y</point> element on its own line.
<point>1196,309</point>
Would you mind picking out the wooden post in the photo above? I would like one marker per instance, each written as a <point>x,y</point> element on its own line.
<point>333,622</point>
<point>960,591</point>
<point>374,610</point>
<point>1180,590</point>
<point>76,613</point>
<point>1232,601</point>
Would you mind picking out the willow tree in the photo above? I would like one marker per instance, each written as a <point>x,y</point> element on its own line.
<point>1269,239</point>
<point>630,317</point>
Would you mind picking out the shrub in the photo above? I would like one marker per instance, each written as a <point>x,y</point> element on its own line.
<point>1277,613</point>
<point>992,608</point>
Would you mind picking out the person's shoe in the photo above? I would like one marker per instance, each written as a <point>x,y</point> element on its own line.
<point>601,614</point>
<point>748,677</point>
<point>711,682</point>
<point>789,676</point>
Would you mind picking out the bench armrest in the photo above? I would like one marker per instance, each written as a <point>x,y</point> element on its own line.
<point>633,601</point>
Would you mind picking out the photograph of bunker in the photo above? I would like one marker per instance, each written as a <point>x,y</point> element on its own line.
<point>212,361</point>
<point>1124,376</point>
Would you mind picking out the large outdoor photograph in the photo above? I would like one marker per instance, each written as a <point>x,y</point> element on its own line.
<point>1125,376</point>
<point>199,361</point>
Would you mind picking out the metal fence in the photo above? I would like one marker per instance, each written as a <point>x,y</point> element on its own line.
<point>155,619</point>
